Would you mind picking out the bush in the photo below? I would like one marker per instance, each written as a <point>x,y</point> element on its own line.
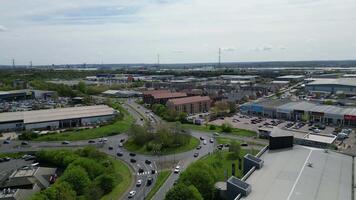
<point>28,136</point>
<point>226,128</point>
<point>212,127</point>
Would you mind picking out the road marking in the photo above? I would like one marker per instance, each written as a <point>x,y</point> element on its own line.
<point>300,173</point>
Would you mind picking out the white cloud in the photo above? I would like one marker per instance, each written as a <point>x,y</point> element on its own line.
<point>228,49</point>
<point>2,28</point>
<point>263,48</point>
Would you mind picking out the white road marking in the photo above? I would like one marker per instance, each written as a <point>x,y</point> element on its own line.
<point>300,173</point>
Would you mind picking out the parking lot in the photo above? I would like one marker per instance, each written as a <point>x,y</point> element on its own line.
<point>298,129</point>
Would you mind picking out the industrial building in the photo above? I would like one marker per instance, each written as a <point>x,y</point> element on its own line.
<point>239,78</point>
<point>291,78</point>
<point>14,95</point>
<point>302,110</point>
<point>345,86</point>
<point>190,105</point>
<point>122,93</point>
<point>52,119</point>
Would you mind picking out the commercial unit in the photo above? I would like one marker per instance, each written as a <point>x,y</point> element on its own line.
<point>122,93</point>
<point>346,86</point>
<point>302,110</point>
<point>291,78</point>
<point>240,78</point>
<point>161,96</point>
<point>14,95</point>
<point>56,118</point>
<point>194,104</point>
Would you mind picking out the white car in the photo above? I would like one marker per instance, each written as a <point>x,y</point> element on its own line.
<point>204,142</point>
<point>316,130</point>
<point>211,140</point>
<point>132,193</point>
<point>177,169</point>
<point>139,183</point>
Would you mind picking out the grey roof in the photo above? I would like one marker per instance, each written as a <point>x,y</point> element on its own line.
<point>340,81</point>
<point>291,77</point>
<point>57,114</point>
<point>286,175</point>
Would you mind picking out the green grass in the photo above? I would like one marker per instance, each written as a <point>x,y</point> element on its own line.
<point>223,163</point>
<point>235,131</point>
<point>162,177</point>
<point>12,155</point>
<point>193,143</point>
<point>115,128</point>
<point>125,176</point>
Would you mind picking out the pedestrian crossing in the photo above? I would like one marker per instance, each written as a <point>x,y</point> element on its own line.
<point>143,173</point>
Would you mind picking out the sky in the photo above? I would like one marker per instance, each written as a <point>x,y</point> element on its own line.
<point>180,31</point>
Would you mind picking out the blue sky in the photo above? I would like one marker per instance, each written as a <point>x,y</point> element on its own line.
<point>135,31</point>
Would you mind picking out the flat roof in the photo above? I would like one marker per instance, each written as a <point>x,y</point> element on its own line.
<point>286,175</point>
<point>291,76</point>
<point>327,139</point>
<point>57,114</point>
<point>330,81</point>
<point>169,95</point>
<point>186,100</point>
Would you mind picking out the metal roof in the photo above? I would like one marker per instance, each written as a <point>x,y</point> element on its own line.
<point>186,100</point>
<point>340,81</point>
<point>57,114</point>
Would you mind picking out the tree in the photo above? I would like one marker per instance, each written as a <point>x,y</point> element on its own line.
<point>183,192</point>
<point>77,177</point>
<point>226,127</point>
<point>232,107</point>
<point>106,182</point>
<point>235,150</point>
<point>59,191</point>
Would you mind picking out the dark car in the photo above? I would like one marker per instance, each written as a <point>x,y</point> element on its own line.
<point>132,154</point>
<point>7,159</point>
<point>153,171</point>
<point>244,144</point>
<point>6,142</point>
<point>122,140</point>
<point>132,160</point>
<point>2,160</point>
<point>196,154</point>
<point>91,141</point>
<point>110,147</point>
<point>148,162</point>
<point>119,154</point>
<point>140,170</point>
<point>201,138</point>
<point>226,145</point>
<point>198,147</point>
<point>65,142</point>
<point>149,180</point>
<point>24,143</point>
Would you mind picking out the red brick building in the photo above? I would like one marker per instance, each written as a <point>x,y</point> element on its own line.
<point>161,96</point>
<point>194,104</point>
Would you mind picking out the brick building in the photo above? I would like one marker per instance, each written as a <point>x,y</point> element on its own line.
<point>161,96</point>
<point>194,104</point>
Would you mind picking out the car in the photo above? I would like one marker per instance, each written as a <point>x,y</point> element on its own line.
<point>91,141</point>
<point>153,171</point>
<point>141,119</point>
<point>24,143</point>
<point>110,147</point>
<point>132,154</point>
<point>119,154</point>
<point>132,193</point>
<point>7,159</point>
<point>204,142</point>
<point>122,140</point>
<point>177,169</point>
<point>120,144</point>
<point>132,160</point>
<point>244,144</point>
<point>220,147</point>
<point>316,130</point>
<point>28,157</point>
<point>140,170</point>
<point>198,147</point>
<point>226,145</point>
<point>148,162</point>
<point>139,183</point>
<point>6,142</point>
<point>216,134</point>
<point>2,160</point>
<point>211,140</point>
<point>149,180</point>
<point>196,154</point>
<point>65,142</point>
<point>201,138</point>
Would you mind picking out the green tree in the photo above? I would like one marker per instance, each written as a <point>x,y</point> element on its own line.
<point>226,127</point>
<point>183,192</point>
<point>106,182</point>
<point>235,150</point>
<point>77,177</point>
<point>59,191</point>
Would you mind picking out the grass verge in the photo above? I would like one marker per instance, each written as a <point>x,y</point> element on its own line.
<point>12,155</point>
<point>193,143</point>
<point>235,131</point>
<point>162,177</point>
<point>126,178</point>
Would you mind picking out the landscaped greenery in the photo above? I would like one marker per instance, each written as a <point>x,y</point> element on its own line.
<point>204,173</point>
<point>168,114</point>
<point>120,125</point>
<point>165,139</point>
<point>162,177</point>
<point>219,129</point>
<point>88,174</point>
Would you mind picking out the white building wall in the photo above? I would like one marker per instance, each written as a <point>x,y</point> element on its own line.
<point>96,120</point>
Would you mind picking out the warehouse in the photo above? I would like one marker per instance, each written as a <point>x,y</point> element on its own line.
<point>291,78</point>
<point>52,119</point>
<point>122,93</point>
<point>346,86</point>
